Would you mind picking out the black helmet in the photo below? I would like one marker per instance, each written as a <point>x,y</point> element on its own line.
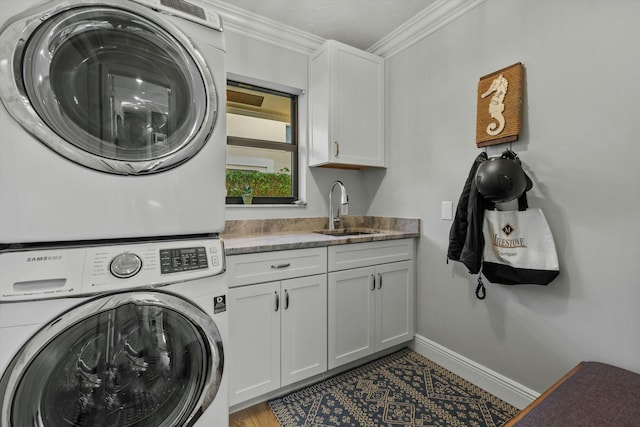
<point>501,179</point>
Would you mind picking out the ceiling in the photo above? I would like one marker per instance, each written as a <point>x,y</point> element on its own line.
<point>359,23</point>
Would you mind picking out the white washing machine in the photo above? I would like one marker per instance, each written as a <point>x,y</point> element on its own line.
<point>113,119</point>
<point>120,335</point>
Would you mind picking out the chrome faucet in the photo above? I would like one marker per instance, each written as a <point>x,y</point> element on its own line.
<point>344,205</point>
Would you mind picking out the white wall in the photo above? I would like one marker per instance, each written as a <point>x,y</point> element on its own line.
<point>580,144</point>
<point>258,62</point>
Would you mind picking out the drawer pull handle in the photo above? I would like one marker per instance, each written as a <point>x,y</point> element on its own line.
<point>277,301</point>
<point>373,282</point>
<point>286,299</point>
<point>379,281</point>
<point>278,266</point>
<point>337,145</point>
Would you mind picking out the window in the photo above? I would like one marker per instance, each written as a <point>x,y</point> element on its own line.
<point>262,149</point>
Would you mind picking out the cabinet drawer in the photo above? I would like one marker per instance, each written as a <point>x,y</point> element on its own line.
<point>270,266</point>
<point>342,257</point>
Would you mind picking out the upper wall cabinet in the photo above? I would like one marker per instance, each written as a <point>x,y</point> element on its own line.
<point>346,108</point>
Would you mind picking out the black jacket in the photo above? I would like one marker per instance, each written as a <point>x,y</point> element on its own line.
<point>466,242</point>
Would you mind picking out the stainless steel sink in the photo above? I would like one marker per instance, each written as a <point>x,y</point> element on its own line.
<point>347,232</point>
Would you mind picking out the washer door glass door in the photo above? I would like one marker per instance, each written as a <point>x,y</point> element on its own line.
<point>128,359</point>
<point>119,90</point>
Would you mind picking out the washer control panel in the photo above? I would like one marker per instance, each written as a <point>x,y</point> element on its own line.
<point>76,271</point>
<point>183,259</point>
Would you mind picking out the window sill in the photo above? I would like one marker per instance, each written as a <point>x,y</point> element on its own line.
<point>252,206</point>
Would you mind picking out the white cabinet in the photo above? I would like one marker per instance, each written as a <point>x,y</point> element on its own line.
<point>278,329</point>
<point>371,307</point>
<point>346,107</point>
<point>290,320</point>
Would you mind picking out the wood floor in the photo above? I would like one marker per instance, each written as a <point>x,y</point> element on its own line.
<point>256,416</point>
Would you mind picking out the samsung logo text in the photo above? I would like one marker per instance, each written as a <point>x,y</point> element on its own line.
<point>44,258</point>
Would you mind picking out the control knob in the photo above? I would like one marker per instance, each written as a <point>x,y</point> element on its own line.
<point>125,265</point>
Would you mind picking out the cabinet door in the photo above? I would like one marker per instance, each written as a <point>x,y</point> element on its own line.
<point>357,110</point>
<point>394,304</point>
<point>346,107</point>
<point>351,296</point>
<point>303,325</point>
<point>254,340</point>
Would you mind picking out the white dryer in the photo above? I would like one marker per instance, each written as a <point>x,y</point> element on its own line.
<point>121,335</point>
<point>113,120</point>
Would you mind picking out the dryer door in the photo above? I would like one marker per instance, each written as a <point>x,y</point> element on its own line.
<point>115,87</point>
<point>127,359</point>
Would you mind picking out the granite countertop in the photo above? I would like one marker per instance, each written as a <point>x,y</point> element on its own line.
<point>250,236</point>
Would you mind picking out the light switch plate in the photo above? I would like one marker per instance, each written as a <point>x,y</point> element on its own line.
<point>447,210</point>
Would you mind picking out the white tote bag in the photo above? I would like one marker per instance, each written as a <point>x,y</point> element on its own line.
<point>518,247</point>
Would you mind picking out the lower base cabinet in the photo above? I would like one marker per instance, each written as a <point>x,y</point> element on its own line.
<point>370,309</point>
<point>278,335</point>
<point>294,314</point>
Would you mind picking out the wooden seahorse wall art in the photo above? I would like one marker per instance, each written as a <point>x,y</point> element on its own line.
<point>496,106</point>
<point>499,106</point>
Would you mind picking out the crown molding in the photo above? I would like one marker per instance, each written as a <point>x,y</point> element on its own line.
<point>249,24</point>
<point>423,24</point>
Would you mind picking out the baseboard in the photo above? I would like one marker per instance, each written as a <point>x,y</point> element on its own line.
<point>506,389</point>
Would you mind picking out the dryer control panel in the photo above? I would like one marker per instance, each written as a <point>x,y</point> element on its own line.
<point>192,10</point>
<point>83,271</point>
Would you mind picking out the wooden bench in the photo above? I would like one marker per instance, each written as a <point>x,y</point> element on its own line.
<point>592,394</point>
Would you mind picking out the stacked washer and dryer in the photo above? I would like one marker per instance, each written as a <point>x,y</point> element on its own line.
<point>112,158</point>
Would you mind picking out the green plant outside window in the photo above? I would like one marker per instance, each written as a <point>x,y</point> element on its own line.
<point>264,184</point>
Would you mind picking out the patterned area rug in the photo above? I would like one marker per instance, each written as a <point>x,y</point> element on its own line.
<point>402,389</point>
